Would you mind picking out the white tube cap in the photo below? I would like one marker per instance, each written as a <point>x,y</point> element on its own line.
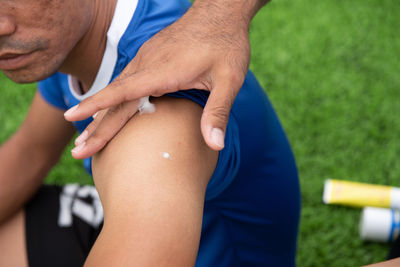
<point>378,224</point>
<point>395,198</point>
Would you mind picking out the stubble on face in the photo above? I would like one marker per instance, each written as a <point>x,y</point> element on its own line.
<point>49,29</point>
<point>26,74</point>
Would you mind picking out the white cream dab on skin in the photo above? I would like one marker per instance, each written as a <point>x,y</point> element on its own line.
<point>166,155</point>
<point>145,106</point>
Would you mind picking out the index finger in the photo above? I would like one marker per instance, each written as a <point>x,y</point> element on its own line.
<point>129,88</point>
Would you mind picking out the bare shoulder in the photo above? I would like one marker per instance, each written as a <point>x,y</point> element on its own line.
<point>164,147</point>
<point>152,179</point>
<point>170,135</point>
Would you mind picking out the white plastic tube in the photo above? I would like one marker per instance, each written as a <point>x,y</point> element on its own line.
<point>380,225</point>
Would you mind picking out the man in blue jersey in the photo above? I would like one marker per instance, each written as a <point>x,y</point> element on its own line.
<point>168,199</point>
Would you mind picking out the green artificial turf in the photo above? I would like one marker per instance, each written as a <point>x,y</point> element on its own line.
<point>331,69</point>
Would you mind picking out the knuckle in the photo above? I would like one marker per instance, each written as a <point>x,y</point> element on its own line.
<point>93,101</point>
<point>220,113</point>
<point>232,76</point>
<point>170,84</point>
<point>237,79</point>
<point>97,140</point>
<point>158,92</point>
<point>117,83</point>
<point>224,71</point>
<point>115,110</point>
<point>119,94</point>
<point>119,115</point>
<point>91,127</point>
<point>99,105</point>
<point>121,79</point>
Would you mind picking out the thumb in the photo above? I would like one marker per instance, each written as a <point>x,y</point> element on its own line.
<point>216,114</point>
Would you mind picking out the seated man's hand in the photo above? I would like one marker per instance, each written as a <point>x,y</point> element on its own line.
<point>203,50</point>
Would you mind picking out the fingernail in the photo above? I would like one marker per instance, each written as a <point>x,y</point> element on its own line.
<point>217,137</point>
<point>70,111</point>
<point>78,148</point>
<point>82,138</point>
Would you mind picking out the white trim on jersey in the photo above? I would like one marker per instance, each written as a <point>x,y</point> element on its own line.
<point>124,11</point>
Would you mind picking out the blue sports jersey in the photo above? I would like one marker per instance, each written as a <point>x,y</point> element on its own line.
<point>252,206</point>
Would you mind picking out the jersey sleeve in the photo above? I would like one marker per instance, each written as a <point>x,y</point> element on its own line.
<point>51,91</point>
<point>229,158</point>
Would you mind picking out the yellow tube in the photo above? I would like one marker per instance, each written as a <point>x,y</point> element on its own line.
<point>360,194</point>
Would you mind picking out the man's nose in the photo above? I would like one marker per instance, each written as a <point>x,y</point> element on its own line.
<point>7,25</point>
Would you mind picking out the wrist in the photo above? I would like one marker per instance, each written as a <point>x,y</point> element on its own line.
<point>237,12</point>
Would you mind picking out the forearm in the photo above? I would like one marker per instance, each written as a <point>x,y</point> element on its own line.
<point>22,169</point>
<point>30,153</point>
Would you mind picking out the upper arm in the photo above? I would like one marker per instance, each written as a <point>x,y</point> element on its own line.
<point>153,203</point>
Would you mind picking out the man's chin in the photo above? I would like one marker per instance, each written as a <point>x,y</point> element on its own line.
<point>25,76</point>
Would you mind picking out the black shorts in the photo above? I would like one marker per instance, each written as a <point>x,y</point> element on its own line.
<point>62,224</point>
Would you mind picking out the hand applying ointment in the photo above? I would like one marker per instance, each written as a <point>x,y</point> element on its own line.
<point>207,49</point>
